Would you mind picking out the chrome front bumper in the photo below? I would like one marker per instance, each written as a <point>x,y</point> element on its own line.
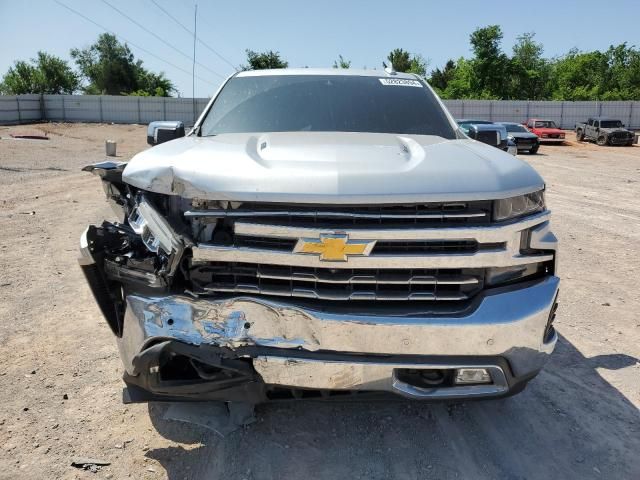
<point>299,347</point>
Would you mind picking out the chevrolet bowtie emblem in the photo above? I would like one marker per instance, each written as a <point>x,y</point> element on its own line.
<point>334,247</point>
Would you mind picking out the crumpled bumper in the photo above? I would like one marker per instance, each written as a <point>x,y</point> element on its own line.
<point>262,344</point>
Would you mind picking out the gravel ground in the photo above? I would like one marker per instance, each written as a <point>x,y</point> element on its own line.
<point>60,373</point>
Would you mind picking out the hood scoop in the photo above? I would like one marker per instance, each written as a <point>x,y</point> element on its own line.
<point>327,150</point>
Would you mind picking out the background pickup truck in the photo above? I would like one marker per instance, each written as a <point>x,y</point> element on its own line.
<point>605,131</point>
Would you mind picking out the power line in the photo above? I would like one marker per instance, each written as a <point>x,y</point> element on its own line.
<point>131,43</point>
<point>186,29</point>
<point>150,32</point>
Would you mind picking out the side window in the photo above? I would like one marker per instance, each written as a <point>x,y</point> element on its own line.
<point>590,122</point>
<point>530,124</point>
<point>596,123</point>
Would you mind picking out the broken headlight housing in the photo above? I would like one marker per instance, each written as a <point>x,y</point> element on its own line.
<point>153,228</point>
<point>519,206</point>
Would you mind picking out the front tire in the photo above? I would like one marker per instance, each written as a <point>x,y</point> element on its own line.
<point>534,150</point>
<point>602,140</point>
<point>580,135</point>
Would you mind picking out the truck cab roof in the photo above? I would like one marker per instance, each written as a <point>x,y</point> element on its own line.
<point>605,119</point>
<point>350,72</point>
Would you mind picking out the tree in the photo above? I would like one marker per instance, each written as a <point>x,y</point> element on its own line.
<point>529,70</point>
<point>264,60</point>
<point>110,68</point>
<point>418,65</point>
<point>490,63</point>
<point>341,62</point>
<point>579,76</point>
<point>153,84</point>
<point>622,78</point>
<point>462,80</point>
<point>403,61</point>
<point>45,74</point>
<point>441,78</point>
<point>400,60</point>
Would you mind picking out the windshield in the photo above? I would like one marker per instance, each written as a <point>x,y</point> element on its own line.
<point>610,124</point>
<point>326,103</point>
<point>512,127</point>
<point>546,124</point>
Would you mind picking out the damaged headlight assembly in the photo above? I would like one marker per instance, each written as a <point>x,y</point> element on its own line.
<point>520,206</point>
<point>154,230</point>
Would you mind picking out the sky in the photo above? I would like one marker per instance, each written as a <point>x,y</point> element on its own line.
<point>305,33</point>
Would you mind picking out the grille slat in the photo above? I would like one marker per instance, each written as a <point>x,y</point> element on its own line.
<point>445,285</point>
<point>345,216</point>
<point>381,247</point>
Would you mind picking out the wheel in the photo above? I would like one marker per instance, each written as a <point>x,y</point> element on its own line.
<point>602,140</point>
<point>534,150</point>
<point>580,135</point>
<point>630,143</point>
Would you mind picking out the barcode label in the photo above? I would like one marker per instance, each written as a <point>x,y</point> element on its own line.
<point>400,82</point>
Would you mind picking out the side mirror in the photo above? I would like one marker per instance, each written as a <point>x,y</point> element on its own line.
<point>160,132</point>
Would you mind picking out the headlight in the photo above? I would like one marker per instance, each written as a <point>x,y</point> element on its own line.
<point>518,206</point>
<point>154,230</point>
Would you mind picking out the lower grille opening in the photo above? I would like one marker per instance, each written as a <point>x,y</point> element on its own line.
<point>181,368</point>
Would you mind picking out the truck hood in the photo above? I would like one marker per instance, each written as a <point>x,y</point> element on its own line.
<point>522,135</point>
<point>548,131</point>
<point>330,167</point>
<point>614,130</point>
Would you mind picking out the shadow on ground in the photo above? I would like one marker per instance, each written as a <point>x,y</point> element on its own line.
<point>569,423</point>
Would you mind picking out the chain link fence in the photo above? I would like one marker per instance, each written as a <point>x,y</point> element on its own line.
<point>19,109</point>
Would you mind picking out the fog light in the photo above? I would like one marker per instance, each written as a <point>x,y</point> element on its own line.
<point>472,375</point>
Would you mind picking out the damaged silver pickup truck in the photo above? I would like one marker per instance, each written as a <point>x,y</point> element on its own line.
<point>321,234</point>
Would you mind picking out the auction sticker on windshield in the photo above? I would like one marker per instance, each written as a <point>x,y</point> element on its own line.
<point>400,82</point>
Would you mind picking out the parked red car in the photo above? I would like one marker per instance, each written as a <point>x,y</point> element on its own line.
<point>546,130</point>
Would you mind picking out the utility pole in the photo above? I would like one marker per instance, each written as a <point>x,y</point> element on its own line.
<point>193,69</point>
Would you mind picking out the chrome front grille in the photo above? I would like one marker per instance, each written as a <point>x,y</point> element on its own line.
<point>338,285</point>
<point>263,251</point>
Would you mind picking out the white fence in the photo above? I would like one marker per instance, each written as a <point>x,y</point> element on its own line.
<point>122,109</point>
<point>18,109</point>
<point>565,114</point>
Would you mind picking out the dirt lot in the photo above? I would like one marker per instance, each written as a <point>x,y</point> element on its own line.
<point>60,372</point>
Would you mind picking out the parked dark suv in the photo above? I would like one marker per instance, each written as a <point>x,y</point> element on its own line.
<point>525,140</point>
<point>488,132</point>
